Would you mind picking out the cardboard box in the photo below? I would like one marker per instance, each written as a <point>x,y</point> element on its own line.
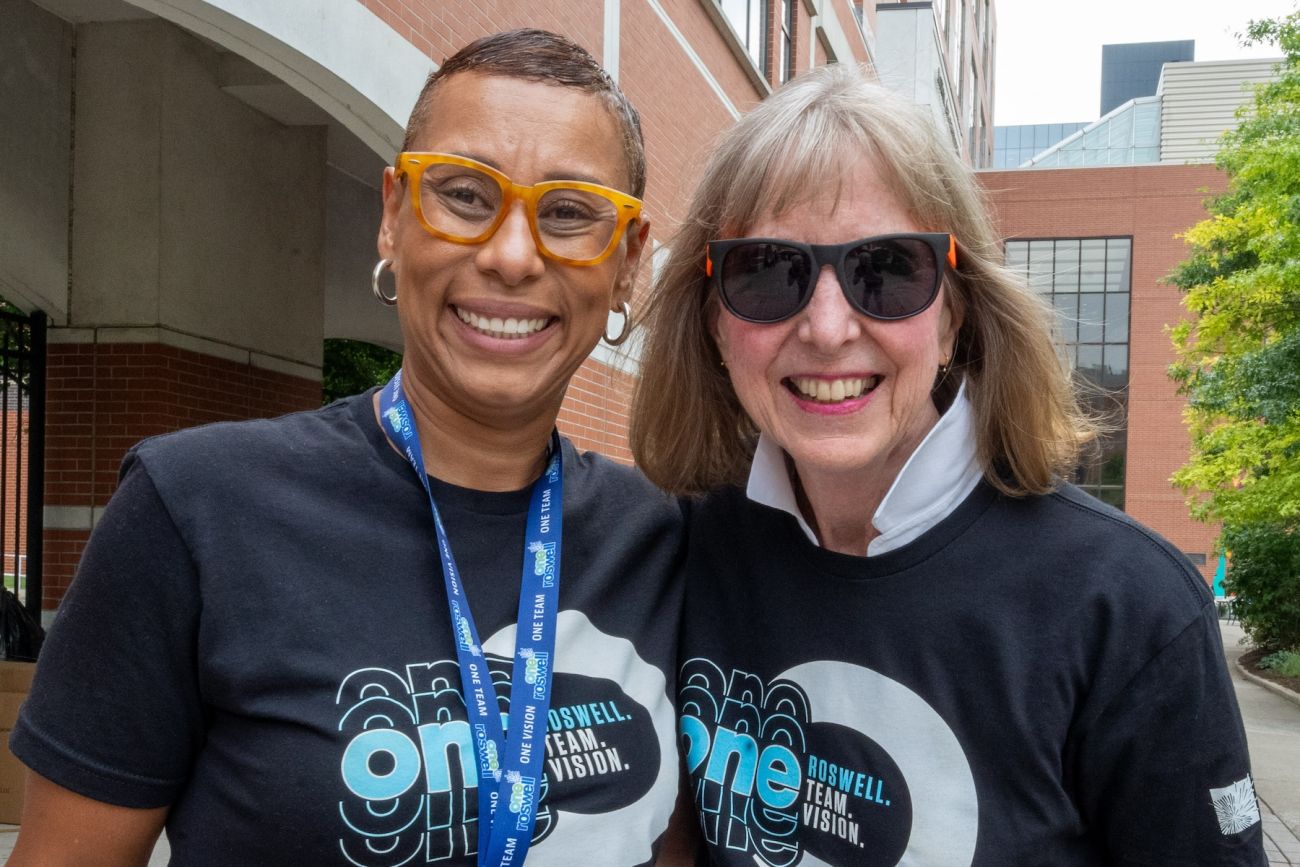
<point>15,681</point>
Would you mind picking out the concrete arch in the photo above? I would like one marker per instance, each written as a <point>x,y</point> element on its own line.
<point>327,50</point>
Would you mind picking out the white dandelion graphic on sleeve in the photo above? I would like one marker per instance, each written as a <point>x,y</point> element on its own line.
<point>1235,806</point>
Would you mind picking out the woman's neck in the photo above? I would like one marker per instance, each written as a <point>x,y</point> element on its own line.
<point>840,507</point>
<point>470,453</point>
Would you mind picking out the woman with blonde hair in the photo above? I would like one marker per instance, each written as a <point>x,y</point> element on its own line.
<point>907,638</point>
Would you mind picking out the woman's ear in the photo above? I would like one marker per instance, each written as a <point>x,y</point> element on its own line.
<point>387,241</point>
<point>638,234</point>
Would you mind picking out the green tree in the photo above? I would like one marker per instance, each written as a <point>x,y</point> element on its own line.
<point>352,366</point>
<point>1239,353</point>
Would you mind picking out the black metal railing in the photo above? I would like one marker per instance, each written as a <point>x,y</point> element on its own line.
<point>22,454</point>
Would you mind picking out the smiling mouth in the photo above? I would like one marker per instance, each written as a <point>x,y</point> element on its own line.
<point>502,329</point>
<point>831,390</point>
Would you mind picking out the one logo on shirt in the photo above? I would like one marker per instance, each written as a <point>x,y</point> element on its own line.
<point>410,769</point>
<point>1235,806</point>
<point>791,771</point>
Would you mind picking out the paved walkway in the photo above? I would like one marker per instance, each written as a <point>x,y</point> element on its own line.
<point>1272,729</point>
<point>1273,732</point>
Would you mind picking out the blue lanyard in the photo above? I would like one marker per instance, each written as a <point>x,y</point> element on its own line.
<point>509,770</point>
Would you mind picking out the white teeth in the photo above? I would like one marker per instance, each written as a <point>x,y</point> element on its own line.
<point>507,329</point>
<point>834,390</point>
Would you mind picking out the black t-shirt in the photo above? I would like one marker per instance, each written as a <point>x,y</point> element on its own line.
<point>258,636</point>
<point>1034,681</point>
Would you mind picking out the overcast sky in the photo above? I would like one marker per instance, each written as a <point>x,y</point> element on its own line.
<point>1049,51</point>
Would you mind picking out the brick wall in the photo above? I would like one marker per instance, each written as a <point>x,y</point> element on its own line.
<point>103,398</point>
<point>595,410</point>
<point>1152,204</point>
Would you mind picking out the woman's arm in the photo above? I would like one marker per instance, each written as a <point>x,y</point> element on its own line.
<point>60,827</point>
<point>682,845</point>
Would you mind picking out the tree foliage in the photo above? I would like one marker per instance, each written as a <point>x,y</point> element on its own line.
<point>1239,352</point>
<point>352,366</point>
<point>1265,576</point>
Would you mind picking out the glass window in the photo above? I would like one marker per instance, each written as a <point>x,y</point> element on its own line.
<point>1110,496</point>
<point>749,19</point>
<point>1118,252</point>
<point>1092,265</point>
<point>1089,364</point>
<point>1115,365</point>
<point>956,35</point>
<point>1018,256</point>
<point>1091,317</point>
<point>1040,266</point>
<point>1117,317</point>
<point>1112,466</point>
<point>785,51</point>
<point>1067,266</point>
<point>1087,281</point>
<point>1067,310</point>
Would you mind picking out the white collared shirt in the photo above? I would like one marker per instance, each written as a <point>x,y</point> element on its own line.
<point>937,477</point>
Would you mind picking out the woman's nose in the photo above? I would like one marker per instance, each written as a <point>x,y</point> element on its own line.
<point>511,252</point>
<point>828,321</point>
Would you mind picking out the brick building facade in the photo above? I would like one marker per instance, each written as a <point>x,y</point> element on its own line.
<point>195,198</point>
<point>1151,205</point>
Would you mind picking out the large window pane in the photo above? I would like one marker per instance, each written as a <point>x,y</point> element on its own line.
<point>1067,309</point>
<point>1087,281</point>
<point>1067,266</point>
<point>749,19</point>
<point>1115,365</point>
<point>1089,363</point>
<point>1091,317</point>
<point>1092,265</point>
<point>1117,317</point>
<point>1118,256</point>
<point>1018,257</point>
<point>1112,467</point>
<point>1111,497</point>
<point>1040,265</point>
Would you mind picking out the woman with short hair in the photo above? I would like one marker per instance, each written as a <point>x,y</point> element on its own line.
<point>416,625</point>
<point>907,639</point>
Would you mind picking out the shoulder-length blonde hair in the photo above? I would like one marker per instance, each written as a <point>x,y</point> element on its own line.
<point>688,431</point>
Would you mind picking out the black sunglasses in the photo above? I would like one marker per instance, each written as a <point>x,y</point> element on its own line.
<point>885,277</point>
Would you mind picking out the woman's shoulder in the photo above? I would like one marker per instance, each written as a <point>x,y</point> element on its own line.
<point>212,456</point>
<point>605,477</point>
<point>1113,551</point>
<point>289,432</point>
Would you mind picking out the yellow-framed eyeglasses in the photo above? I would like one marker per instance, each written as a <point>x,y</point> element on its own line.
<point>464,201</point>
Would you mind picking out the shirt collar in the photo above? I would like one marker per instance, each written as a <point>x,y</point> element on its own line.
<point>935,480</point>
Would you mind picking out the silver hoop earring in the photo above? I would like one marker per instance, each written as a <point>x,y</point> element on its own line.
<point>617,339</point>
<point>380,267</point>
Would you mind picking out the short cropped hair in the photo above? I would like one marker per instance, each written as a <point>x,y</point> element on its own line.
<point>689,432</point>
<point>542,56</point>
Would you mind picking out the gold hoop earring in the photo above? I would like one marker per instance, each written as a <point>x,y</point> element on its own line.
<point>380,267</point>
<point>621,337</point>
